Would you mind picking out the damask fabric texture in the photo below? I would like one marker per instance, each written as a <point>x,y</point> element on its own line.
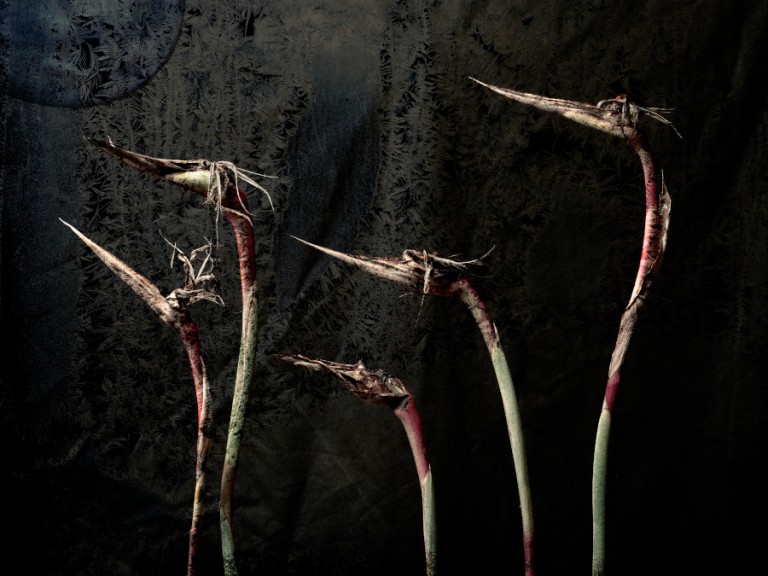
<point>379,142</point>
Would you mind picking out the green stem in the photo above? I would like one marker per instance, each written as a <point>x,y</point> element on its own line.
<point>243,381</point>
<point>477,307</point>
<point>411,421</point>
<point>599,472</point>
<point>243,229</point>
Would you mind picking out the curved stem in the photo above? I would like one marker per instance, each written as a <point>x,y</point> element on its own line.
<point>477,307</point>
<point>411,421</point>
<point>177,317</point>
<point>206,178</point>
<point>243,380</point>
<point>654,242</point>
<point>243,229</point>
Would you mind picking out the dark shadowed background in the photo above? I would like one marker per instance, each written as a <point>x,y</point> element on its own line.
<point>364,112</point>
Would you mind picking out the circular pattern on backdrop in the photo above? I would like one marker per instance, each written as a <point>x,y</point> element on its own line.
<point>77,52</point>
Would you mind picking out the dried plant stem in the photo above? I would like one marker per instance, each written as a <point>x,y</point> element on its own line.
<point>472,300</point>
<point>411,421</point>
<point>654,242</point>
<point>217,182</point>
<point>377,388</point>
<point>618,117</point>
<point>243,229</point>
<point>191,340</point>
<point>175,313</point>
<point>243,381</point>
<point>444,277</point>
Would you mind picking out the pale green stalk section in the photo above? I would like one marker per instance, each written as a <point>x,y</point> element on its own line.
<point>599,473</point>
<point>243,380</point>
<point>515,429</point>
<point>430,532</point>
<point>511,412</point>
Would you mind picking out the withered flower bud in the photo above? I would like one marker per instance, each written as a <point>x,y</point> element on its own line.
<point>374,387</point>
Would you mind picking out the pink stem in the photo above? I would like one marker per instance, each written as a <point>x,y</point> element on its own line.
<point>409,416</point>
<point>190,338</point>
<point>654,243</point>
<point>243,229</point>
<point>654,236</point>
<point>411,421</point>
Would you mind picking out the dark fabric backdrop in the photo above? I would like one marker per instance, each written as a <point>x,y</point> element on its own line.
<point>364,112</point>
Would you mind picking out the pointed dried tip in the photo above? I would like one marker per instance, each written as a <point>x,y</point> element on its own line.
<point>138,283</point>
<point>299,360</point>
<point>414,269</point>
<point>389,268</point>
<point>194,175</point>
<point>374,387</point>
<point>609,119</point>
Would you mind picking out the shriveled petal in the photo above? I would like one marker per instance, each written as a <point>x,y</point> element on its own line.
<point>375,387</point>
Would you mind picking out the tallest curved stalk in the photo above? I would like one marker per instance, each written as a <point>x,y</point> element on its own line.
<point>618,117</point>
<point>217,182</point>
<point>654,243</point>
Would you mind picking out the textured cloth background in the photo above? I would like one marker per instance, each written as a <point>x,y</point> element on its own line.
<point>379,142</point>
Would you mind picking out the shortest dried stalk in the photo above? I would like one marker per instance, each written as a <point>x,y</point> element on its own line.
<point>380,389</point>
<point>174,311</point>
<point>431,274</point>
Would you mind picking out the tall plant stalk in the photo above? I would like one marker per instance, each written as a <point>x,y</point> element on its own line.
<point>380,389</point>
<point>477,307</point>
<point>218,183</point>
<point>444,277</point>
<point>173,310</point>
<point>618,117</point>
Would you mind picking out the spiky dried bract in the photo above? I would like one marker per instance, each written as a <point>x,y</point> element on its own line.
<point>378,388</point>
<point>146,290</point>
<point>416,269</point>
<point>200,284</point>
<point>374,387</point>
<point>616,116</point>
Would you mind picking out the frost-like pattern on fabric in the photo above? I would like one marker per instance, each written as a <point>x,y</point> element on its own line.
<point>379,141</point>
